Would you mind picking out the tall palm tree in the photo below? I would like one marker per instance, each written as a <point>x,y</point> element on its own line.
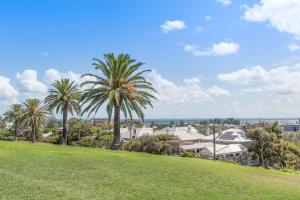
<point>34,115</point>
<point>14,115</point>
<point>121,87</point>
<point>64,97</point>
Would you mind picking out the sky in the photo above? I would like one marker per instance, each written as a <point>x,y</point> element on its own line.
<point>209,58</point>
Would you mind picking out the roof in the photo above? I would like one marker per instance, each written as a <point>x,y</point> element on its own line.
<point>232,135</point>
<point>207,148</point>
<point>183,133</point>
<point>137,132</point>
<point>223,149</point>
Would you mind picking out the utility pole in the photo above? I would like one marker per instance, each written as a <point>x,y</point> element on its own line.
<point>214,140</point>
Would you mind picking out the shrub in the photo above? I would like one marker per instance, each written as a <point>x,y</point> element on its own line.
<point>7,138</point>
<point>51,139</point>
<point>87,141</point>
<point>159,144</point>
<point>188,154</point>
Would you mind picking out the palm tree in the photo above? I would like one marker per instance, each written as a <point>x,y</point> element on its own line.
<point>34,115</point>
<point>121,87</point>
<point>14,115</point>
<point>64,97</point>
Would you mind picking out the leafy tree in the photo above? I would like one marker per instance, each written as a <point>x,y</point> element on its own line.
<point>78,129</point>
<point>64,97</point>
<point>269,147</point>
<point>121,87</point>
<point>52,125</point>
<point>14,115</point>
<point>34,115</point>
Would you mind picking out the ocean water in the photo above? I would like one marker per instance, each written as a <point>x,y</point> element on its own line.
<point>166,121</point>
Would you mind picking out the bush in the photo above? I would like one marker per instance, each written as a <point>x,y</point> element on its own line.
<point>159,144</point>
<point>188,154</point>
<point>7,138</point>
<point>87,141</point>
<point>51,139</point>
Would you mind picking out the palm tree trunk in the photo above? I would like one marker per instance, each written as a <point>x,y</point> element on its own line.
<point>65,119</point>
<point>16,130</point>
<point>116,141</point>
<point>33,139</point>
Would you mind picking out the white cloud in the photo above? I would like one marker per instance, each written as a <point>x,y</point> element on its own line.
<point>284,15</point>
<point>52,74</point>
<point>283,81</point>
<point>218,49</point>
<point>8,94</point>
<point>190,91</point>
<point>208,18</point>
<point>244,76</point>
<point>30,85</point>
<point>224,2</point>
<point>294,47</point>
<point>172,25</point>
<point>217,91</point>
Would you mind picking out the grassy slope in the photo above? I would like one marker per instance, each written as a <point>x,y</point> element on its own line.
<point>42,171</point>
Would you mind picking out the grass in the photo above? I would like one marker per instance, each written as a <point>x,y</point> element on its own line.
<point>44,171</point>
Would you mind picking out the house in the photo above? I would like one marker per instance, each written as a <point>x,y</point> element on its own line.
<point>291,127</point>
<point>229,136</point>
<point>186,135</point>
<point>234,152</point>
<point>98,121</point>
<point>127,133</point>
<point>230,145</point>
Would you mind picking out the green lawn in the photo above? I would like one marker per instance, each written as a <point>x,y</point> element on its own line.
<point>43,171</point>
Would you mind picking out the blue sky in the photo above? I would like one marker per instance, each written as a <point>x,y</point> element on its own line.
<point>214,58</point>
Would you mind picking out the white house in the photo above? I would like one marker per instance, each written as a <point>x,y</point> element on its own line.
<point>127,133</point>
<point>229,136</point>
<point>236,152</point>
<point>186,135</point>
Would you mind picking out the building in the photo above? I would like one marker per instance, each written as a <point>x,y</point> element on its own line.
<point>230,145</point>
<point>186,135</point>
<point>127,133</point>
<point>98,121</point>
<point>291,127</point>
<point>234,152</point>
<point>229,136</point>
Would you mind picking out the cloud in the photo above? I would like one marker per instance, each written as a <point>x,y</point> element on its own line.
<point>45,54</point>
<point>244,76</point>
<point>199,29</point>
<point>172,25</point>
<point>217,91</point>
<point>8,94</point>
<point>224,2</point>
<point>52,75</point>
<point>284,15</point>
<point>190,91</point>
<point>30,85</point>
<point>283,80</point>
<point>294,47</point>
<point>218,49</point>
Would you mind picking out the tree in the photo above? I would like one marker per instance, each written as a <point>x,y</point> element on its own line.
<point>2,124</point>
<point>268,146</point>
<point>121,87</point>
<point>64,97</point>
<point>34,115</point>
<point>13,115</point>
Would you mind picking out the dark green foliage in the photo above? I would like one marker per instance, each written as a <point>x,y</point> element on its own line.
<point>188,154</point>
<point>87,141</point>
<point>159,144</point>
<point>270,149</point>
<point>51,139</point>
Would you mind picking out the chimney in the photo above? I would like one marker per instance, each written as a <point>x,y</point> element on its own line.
<point>189,129</point>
